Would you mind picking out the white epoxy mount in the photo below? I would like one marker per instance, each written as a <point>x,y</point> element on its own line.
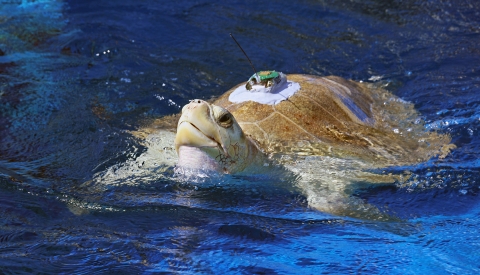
<point>281,89</point>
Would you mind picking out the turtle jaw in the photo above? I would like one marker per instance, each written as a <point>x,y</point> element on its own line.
<point>190,135</point>
<point>195,149</point>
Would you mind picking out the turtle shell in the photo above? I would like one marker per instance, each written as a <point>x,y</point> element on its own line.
<point>334,116</point>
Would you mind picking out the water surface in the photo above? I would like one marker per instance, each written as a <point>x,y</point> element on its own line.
<point>77,76</point>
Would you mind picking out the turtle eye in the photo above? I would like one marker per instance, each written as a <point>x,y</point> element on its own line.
<point>225,120</point>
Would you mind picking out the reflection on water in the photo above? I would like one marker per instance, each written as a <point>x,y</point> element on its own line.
<point>76,78</point>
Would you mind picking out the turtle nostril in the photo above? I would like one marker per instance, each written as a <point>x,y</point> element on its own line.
<point>195,101</point>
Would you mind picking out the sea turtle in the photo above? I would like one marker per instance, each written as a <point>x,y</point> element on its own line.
<point>327,116</point>
<point>329,131</point>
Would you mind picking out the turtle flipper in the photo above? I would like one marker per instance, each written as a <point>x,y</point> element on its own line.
<point>328,183</point>
<point>348,206</point>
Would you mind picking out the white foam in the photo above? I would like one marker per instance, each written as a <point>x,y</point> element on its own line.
<point>241,94</point>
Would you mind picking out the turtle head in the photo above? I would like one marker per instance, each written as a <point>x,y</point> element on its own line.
<point>208,137</point>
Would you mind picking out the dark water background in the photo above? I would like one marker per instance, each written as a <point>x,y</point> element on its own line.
<point>75,76</point>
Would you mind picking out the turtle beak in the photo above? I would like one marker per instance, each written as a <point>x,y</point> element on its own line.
<point>189,135</point>
<point>197,128</point>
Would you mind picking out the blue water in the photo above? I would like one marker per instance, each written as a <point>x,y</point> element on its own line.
<point>77,76</point>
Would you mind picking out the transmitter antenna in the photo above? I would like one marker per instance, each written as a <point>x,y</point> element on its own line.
<point>251,64</point>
